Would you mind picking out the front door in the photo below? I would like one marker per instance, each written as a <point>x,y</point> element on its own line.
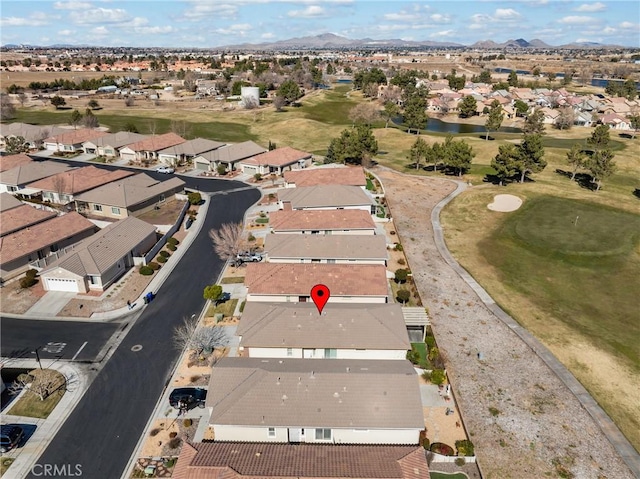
<point>308,353</point>
<point>296,434</point>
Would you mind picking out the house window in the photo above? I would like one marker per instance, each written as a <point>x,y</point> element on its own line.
<point>330,353</point>
<point>12,188</point>
<point>162,199</point>
<point>93,279</point>
<point>323,434</point>
<point>289,352</point>
<point>97,207</point>
<point>115,211</point>
<point>272,432</point>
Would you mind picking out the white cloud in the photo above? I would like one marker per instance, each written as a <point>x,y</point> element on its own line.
<point>72,5</point>
<point>506,14</point>
<point>629,26</point>
<point>591,7</point>
<point>400,16</point>
<point>236,29</point>
<point>267,36</point>
<point>36,19</point>
<point>439,18</point>
<point>312,11</point>
<point>443,34</point>
<point>66,33</point>
<point>99,15</point>
<point>202,9</point>
<point>576,20</point>
<point>102,30</point>
<point>154,30</point>
<point>609,30</point>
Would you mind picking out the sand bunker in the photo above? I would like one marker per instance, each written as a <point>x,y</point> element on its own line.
<point>505,203</point>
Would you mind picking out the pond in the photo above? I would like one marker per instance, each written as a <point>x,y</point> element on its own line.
<point>438,126</point>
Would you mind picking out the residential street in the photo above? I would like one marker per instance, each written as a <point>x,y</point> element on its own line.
<point>103,430</point>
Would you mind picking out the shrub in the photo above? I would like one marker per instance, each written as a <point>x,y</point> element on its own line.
<point>31,273</point>
<point>171,247</point>
<point>403,295</point>
<point>154,266</point>
<point>194,378</point>
<point>465,447</point>
<point>164,253</point>
<point>430,341</point>
<point>460,461</point>
<point>173,241</point>
<point>413,356</point>
<point>221,169</point>
<point>251,237</point>
<point>401,275</point>
<point>194,197</point>
<point>146,270</point>
<point>187,422</point>
<point>398,247</point>
<point>173,434</point>
<point>437,377</point>
<point>402,261</point>
<point>154,432</point>
<point>257,176</point>
<point>175,443</point>
<point>161,259</point>
<point>212,292</point>
<point>242,306</point>
<point>442,448</point>
<point>27,282</point>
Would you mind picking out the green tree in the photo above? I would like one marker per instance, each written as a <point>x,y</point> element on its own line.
<point>130,127</point>
<point>418,151</point>
<point>629,89</point>
<point>93,104</point>
<point>531,156</point>
<point>290,91</point>
<point>212,292</point>
<point>194,197</point>
<point>494,118</point>
<point>534,123</point>
<point>485,76</point>
<point>513,78</point>
<point>459,156</point>
<point>76,118</point>
<point>551,77</point>
<point>506,162</point>
<point>15,145</point>
<point>403,295</point>
<point>634,121</point>
<point>576,158</point>
<point>601,166</point>
<point>437,377</point>
<point>330,69</point>
<point>467,107</point>
<point>415,113</point>
<point>355,145</point>
<point>58,101</point>
<point>401,275</point>
<point>391,110</point>
<point>599,139</point>
<point>521,108</point>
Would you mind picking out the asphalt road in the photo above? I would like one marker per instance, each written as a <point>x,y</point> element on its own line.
<point>80,341</point>
<point>103,430</point>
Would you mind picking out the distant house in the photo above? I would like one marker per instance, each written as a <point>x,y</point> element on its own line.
<point>131,196</point>
<point>72,140</point>
<point>11,161</point>
<point>20,248</point>
<point>148,150</point>
<point>229,156</point>
<point>333,249</point>
<point>329,222</point>
<point>187,151</point>
<point>321,402</point>
<point>34,135</point>
<point>286,282</point>
<point>17,179</point>
<point>237,460</point>
<point>326,197</point>
<point>101,259</point>
<point>110,145</point>
<point>342,331</point>
<point>349,176</point>
<point>615,121</point>
<point>276,161</point>
<point>63,187</point>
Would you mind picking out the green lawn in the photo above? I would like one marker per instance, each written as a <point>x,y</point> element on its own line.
<point>446,475</point>
<point>333,110</point>
<point>227,308</point>
<point>421,348</point>
<point>575,259</point>
<point>232,280</point>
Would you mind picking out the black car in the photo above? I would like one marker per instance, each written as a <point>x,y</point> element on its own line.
<point>10,437</point>
<point>187,398</point>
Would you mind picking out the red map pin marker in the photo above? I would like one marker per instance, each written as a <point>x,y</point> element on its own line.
<point>320,295</point>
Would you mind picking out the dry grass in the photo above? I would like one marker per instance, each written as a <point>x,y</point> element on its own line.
<point>16,300</point>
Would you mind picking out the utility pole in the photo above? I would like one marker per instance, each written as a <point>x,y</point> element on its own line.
<point>38,357</point>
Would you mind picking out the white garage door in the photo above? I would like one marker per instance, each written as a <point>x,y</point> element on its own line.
<point>59,284</point>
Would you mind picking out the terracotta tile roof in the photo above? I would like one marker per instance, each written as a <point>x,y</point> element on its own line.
<point>218,460</point>
<point>325,196</point>
<point>21,217</point>
<point>341,326</point>
<point>353,176</point>
<point>335,393</point>
<point>11,161</point>
<point>80,179</point>
<point>278,157</point>
<point>29,172</point>
<point>75,137</point>
<point>362,247</point>
<point>29,240</point>
<point>298,279</point>
<point>8,201</point>
<point>233,153</point>
<point>98,253</point>
<point>321,220</point>
<point>131,191</point>
<point>157,142</point>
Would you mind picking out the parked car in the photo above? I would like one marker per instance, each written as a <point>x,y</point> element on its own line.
<point>165,169</point>
<point>223,298</point>
<point>187,398</point>
<point>10,437</point>
<point>248,257</point>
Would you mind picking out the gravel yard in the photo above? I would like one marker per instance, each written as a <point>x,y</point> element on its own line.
<point>524,422</point>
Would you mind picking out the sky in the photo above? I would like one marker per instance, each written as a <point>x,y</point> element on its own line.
<point>214,23</point>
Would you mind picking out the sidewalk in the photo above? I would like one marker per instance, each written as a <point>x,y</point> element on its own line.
<point>45,429</point>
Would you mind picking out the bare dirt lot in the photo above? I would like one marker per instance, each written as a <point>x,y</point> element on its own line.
<point>522,419</point>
